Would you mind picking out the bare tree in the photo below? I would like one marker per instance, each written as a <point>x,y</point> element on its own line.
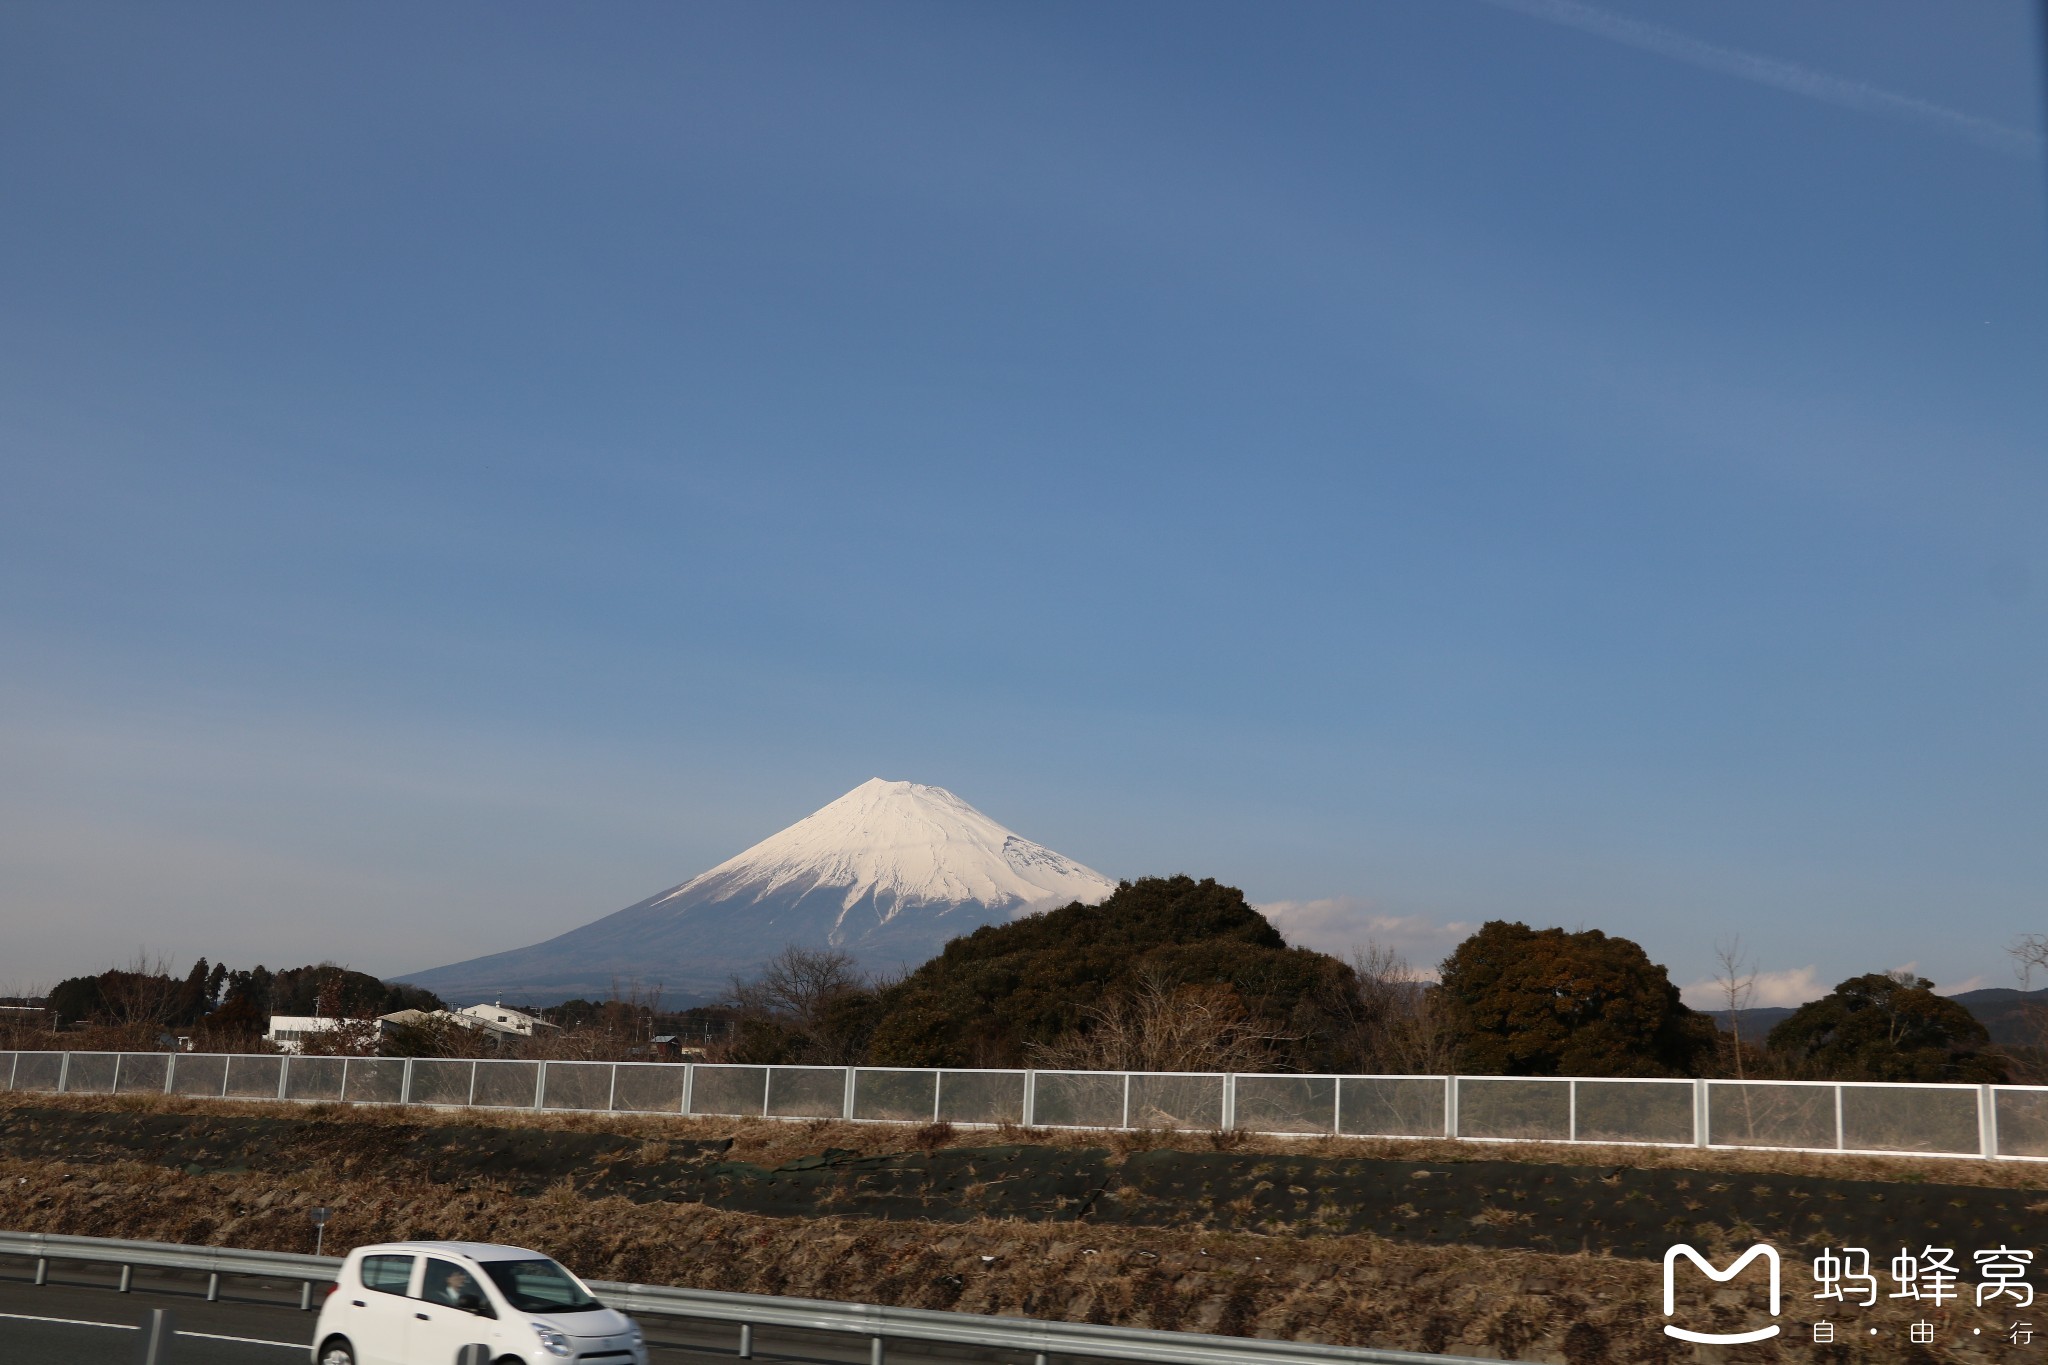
<point>1736,984</point>
<point>353,1033</point>
<point>142,995</point>
<point>1159,1026</point>
<point>619,1030</point>
<point>796,985</point>
<point>2029,953</point>
<point>1400,1026</point>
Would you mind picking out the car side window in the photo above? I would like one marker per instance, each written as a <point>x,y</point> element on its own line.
<point>447,1283</point>
<point>387,1274</point>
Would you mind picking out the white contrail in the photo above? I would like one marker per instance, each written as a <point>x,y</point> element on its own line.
<point>1786,76</point>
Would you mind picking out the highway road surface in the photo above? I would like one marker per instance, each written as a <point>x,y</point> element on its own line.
<point>80,1318</point>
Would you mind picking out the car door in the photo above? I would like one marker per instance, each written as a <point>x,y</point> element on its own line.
<point>438,1327</point>
<point>379,1307</point>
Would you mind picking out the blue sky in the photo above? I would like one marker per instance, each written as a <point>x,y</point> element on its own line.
<point>464,468</point>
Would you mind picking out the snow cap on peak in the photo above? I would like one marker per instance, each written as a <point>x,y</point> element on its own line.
<point>903,843</point>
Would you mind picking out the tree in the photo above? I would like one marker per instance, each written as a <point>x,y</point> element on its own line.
<point>1528,1002</point>
<point>1399,1024</point>
<point>1157,1024</point>
<point>1736,984</point>
<point>354,1031</point>
<point>797,984</point>
<point>990,995</point>
<point>139,999</point>
<point>1888,1026</point>
<point>427,1035</point>
<point>808,1005</point>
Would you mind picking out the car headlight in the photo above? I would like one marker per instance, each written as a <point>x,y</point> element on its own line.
<point>551,1341</point>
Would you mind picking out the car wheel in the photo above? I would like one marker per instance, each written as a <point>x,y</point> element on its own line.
<point>337,1351</point>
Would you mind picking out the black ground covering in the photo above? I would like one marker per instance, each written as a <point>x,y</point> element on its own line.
<point>1621,1211</point>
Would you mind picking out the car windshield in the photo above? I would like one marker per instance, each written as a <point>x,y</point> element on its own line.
<point>539,1287</point>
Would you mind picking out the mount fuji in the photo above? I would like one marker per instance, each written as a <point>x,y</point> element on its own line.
<point>888,873</point>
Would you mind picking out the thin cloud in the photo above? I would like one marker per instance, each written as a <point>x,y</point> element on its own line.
<point>1793,986</point>
<point>1337,924</point>
<point>1790,77</point>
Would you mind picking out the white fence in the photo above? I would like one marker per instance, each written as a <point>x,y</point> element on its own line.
<point>2004,1121</point>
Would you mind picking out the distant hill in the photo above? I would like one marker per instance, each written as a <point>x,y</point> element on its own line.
<point>2005,1012</point>
<point>1755,1023</point>
<point>2002,1010</point>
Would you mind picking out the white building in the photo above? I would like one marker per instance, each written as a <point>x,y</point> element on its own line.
<point>289,1031</point>
<point>505,1017</point>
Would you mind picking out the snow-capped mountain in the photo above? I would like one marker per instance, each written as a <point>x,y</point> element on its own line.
<point>888,872</point>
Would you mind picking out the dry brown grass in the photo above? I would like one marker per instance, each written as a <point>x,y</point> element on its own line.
<point>770,1142</point>
<point>1356,1289</point>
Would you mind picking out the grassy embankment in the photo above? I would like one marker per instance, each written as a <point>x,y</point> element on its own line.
<point>651,1199</point>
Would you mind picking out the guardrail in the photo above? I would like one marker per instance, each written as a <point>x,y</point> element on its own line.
<point>1042,1341</point>
<point>2005,1122</point>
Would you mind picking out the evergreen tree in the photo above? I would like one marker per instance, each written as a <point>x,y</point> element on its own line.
<point>1886,1027</point>
<point>1528,1002</point>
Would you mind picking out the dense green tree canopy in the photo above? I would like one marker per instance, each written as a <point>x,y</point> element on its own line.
<point>1881,1027</point>
<point>237,1001</point>
<point>1530,1002</point>
<point>992,994</point>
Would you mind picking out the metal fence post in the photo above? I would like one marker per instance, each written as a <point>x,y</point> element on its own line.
<point>213,1286</point>
<point>1450,1106</point>
<point>746,1341</point>
<point>689,1085</point>
<point>1030,1098</point>
<point>1337,1106</point>
<point>1987,1122</point>
<point>1700,1114</point>
<point>13,1067</point>
<point>1838,1117</point>
<point>846,1097</point>
<point>767,1088</point>
<point>127,1278</point>
<point>227,1064</point>
<point>474,1065</point>
<point>874,1351</point>
<point>540,1083</point>
<point>42,1270</point>
<point>1229,1101</point>
<point>938,1086</point>
<point>284,1074</point>
<point>1572,1101</point>
<point>63,1071</point>
<point>1124,1125</point>
<point>405,1082</point>
<point>116,1088</point>
<point>171,1069</point>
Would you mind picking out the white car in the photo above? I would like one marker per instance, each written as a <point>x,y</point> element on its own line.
<point>423,1303</point>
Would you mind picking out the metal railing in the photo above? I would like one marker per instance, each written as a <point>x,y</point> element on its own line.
<point>1042,1341</point>
<point>2008,1122</point>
